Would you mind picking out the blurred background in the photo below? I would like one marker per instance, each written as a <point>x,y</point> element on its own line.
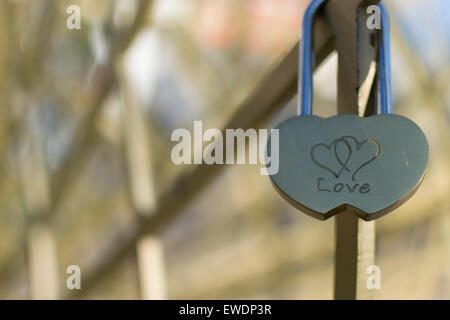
<point>85,123</point>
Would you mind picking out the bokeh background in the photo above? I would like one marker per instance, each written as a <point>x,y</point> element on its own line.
<point>85,123</point>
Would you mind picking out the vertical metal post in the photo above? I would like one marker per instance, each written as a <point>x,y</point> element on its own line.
<point>41,243</point>
<point>355,238</point>
<point>150,258</point>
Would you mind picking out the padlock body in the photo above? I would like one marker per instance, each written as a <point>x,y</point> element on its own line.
<point>366,165</point>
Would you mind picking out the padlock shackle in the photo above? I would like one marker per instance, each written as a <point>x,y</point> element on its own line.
<point>305,74</point>
<point>384,63</point>
<point>305,79</point>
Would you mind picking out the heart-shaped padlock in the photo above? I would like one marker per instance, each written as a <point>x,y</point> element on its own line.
<point>365,165</point>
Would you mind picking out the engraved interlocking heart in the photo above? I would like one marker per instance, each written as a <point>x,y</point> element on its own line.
<point>365,165</point>
<point>350,150</point>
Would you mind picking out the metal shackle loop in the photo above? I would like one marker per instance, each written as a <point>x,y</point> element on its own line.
<point>305,79</point>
